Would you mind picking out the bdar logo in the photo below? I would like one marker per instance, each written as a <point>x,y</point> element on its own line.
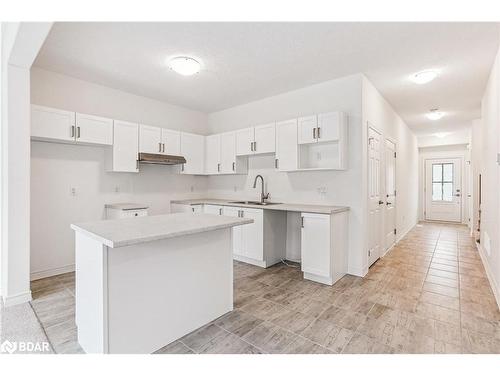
<point>8,347</point>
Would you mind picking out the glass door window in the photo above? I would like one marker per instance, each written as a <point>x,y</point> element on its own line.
<point>442,182</point>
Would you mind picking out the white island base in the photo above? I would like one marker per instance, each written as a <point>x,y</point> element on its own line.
<point>141,297</point>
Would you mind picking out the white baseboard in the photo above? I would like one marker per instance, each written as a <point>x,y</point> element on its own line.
<point>361,272</point>
<point>52,272</point>
<point>400,237</point>
<point>491,279</point>
<point>17,299</point>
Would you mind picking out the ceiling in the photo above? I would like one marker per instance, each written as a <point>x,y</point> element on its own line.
<point>243,62</point>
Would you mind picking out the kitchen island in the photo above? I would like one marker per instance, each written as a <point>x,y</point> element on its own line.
<point>144,282</point>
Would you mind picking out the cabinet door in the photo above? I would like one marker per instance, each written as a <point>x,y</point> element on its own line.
<point>125,146</point>
<point>193,149</point>
<point>197,208</point>
<point>244,139</point>
<point>149,139</point>
<point>307,127</point>
<point>212,209</point>
<point>286,145</point>
<point>171,142</point>
<point>315,244</point>
<point>329,126</point>
<point>237,231</point>
<point>212,154</point>
<point>93,129</point>
<point>253,234</point>
<point>228,153</point>
<point>51,123</point>
<point>265,138</point>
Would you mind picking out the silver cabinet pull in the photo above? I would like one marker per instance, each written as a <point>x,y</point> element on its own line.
<point>77,132</point>
<point>159,146</point>
<point>302,221</point>
<point>276,163</point>
<point>251,146</point>
<point>233,165</point>
<point>242,213</point>
<point>318,132</point>
<point>255,146</point>
<point>220,211</point>
<point>218,167</point>
<point>72,131</point>
<point>163,147</point>
<point>182,167</point>
<point>137,164</point>
<point>314,133</point>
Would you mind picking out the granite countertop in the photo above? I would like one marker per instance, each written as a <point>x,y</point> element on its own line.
<point>310,208</point>
<point>132,231</point>
<point>126,206</point>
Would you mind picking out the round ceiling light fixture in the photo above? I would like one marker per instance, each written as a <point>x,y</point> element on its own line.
<point>435,114</point>
<point>424,76</point>
<point>186,66</point>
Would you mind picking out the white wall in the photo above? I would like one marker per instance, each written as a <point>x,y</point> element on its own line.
<point>459,137</point>
<point>442,152</point>
<point>476,169</point>
<point>56,168</point>
<point>490,209</point>
<point>380,115</point>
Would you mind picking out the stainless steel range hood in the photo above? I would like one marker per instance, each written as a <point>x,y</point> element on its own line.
<point>160,159</point>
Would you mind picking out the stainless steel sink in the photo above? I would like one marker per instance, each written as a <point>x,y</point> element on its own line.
<point>255,203</point>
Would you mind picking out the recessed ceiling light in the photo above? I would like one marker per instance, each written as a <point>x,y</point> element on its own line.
<point>424,77</point>
<point>434,114</point>
<point>441,135</point>
<point>185,66</point>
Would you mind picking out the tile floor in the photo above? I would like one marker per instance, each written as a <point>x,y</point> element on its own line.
<point>429,294</point>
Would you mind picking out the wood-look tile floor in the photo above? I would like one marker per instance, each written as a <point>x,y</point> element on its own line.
<point>429,294</point>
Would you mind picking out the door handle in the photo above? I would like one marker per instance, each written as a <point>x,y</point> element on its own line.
<point>457,195</point>
<point>388,203</point>
<point>380,202</point>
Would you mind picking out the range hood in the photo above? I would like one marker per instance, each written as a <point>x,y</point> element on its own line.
<point>160,159</point>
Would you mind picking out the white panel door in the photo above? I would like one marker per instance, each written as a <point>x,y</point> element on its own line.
<point>171,142</point>
<point>443,189</point>
<point>149,139</point>
<point>286,145</point>
<point>244,141</point>
<point>51,123</point>
<point>329,126</point>
<point>315,244</point>
<point>253,234</point>
<point>390,192</point>
<point>374,196</point>
<point>212,154</point>
<point>265,138</point>
<point>94,129</point>
<point>193,149</point>
<point>125,146</point>
<point>237,231</point>
<point>228,152</point>
<point>307,127</point>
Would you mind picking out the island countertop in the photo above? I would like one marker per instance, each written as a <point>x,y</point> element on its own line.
<point>131,231</point>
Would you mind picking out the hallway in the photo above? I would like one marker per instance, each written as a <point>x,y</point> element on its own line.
<point>429,294</point>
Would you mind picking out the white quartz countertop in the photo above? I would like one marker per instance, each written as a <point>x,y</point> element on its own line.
<point>311,208</point>
<point>126,206</point>
<point>132,231</point>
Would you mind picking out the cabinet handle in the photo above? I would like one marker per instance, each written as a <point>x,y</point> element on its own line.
<point>72,131</point>
<point>233,166</point>
<point>255,146</point>
<point>137,164</point>
<point>314,133</point>
<point>182,167</point>
<point>220,211</point>
<point>241,212</point>
<point>218,167</point>
<point>163,147</point>
<point>77,132</point>
<point>251,146</point>
<point>318,132</point>
<point>159,146</point>
<point>276,163</point>
<point>302,221</point>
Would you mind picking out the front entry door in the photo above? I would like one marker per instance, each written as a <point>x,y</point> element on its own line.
<point>390,190</point>
<point>443,189</point>
<point>374,196</point>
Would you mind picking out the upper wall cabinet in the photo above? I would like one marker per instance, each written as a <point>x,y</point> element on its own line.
<point>325,127</point>
<point>94,129</point>
<point>257,140</point>
<point>52,124</point>
<point>220,155</point>
<point>123,155</point>
<point>193,149</point>
<point>155,140</point>
<point>212,154</point>
<point>171,142</point>
<point>286,145</point>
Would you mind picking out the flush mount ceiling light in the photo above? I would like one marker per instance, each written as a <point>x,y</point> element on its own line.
<point>424,76</point>
<point>185,66</point>
<point>434,114</point>
<point>441,135</point>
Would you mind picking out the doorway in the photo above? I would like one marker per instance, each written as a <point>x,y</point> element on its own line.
<point>443,189</point>
<point>390,190</point>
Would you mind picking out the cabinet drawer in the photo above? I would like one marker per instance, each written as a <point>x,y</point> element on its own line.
<point>134,213</point>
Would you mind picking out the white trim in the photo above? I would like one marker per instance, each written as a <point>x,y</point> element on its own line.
<point>361,272</point>
<point>17,299</point>
<point>318,279</point>
<point>491,279</point>
<point>402,235</point>
<point>258,263</point>
<point>52,272</point>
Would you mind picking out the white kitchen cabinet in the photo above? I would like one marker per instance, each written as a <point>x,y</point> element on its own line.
<point>150,139</point>
<point>212,154</point>
<point>286,145</point>
<point>52,124</point>
<point>253,234</point>
<point>212,209</point>
<point>331,126</point>
<point>324,246</point>
<point>197,208</point>
<point>237,237</point>
<point>265,138</point>
<point>122,157</point>
<point>193,149</point>
<point>170,142</point>
<point>92,129</point>
<point>307,129</point>
<point>244,141</point>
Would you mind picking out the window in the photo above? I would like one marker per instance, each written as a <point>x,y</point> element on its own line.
<point>442,182</point>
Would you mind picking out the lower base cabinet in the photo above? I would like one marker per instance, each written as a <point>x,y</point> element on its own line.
<point>324,246</point>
